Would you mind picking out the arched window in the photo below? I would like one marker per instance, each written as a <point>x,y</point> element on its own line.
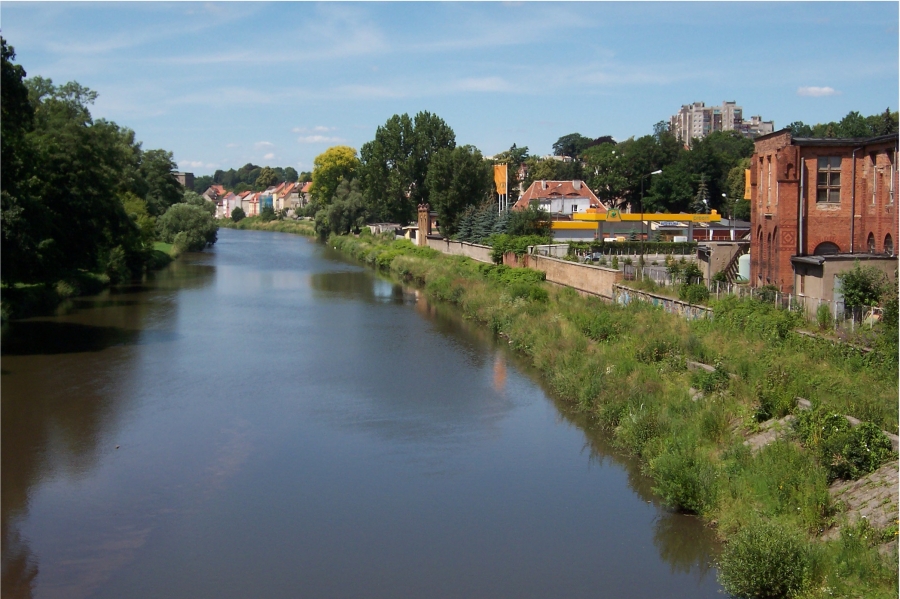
<point>888,245</point>
<point>870,243</point>
<point>826,248</point>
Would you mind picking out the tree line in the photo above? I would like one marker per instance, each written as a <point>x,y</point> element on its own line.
<point>250,177</point>
<point>81,194</point>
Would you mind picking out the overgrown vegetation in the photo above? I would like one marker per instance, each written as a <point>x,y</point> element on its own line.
<point>256,223</point>
<point>626,367</point>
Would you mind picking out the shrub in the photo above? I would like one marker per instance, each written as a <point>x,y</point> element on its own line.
<point>237,214</point>
<point>693,293</point>
<point>189,228</point>
<point>615,262</point>
<point>685,477</point>
<point>846,452</point>
<point>709,382</point>
<point>764,559</point>
<point>823,317</point>
<point>267,214</point>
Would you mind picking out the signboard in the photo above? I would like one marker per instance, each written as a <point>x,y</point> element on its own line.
<point>747,184</point>
<point>500,178</point>
<point>612,216</point>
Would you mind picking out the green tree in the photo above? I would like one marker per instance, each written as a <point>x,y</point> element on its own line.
<point>190,228</point>
<point>238,214</point>
<point>345,213</point>
<point>863,286</point>
<point>606,172</point>
<point>456,179</point>
<point>267,177</point>
<point>571,145</point>
<point>202,183</point>
<point>395,164</point>
<point>195,199</point>
<point>330,168</point>
<point>290,174</point>
<point>163,189</point>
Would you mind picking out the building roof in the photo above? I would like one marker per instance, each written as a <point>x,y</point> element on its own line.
<point>549,190</point>
<point>306,186</point>
<point>830,141</point>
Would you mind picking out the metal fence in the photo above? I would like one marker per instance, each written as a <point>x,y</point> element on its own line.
<point>826,314</point>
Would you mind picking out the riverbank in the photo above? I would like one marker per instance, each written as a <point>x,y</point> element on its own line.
<point>627,368</point>
<point>22,300</point>
<point>255,223</point>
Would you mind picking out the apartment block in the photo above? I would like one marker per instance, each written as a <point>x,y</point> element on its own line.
<point>697,120</point>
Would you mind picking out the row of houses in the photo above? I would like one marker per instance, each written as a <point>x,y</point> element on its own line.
<point>284,196</point>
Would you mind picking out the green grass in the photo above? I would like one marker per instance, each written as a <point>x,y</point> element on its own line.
<point>297,227</point>
<point>625,366</point>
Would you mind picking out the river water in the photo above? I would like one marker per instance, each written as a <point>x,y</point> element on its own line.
<point>269,419</point>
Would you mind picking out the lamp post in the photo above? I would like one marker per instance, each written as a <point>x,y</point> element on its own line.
<point>731,206</point>
<point>641,260</point>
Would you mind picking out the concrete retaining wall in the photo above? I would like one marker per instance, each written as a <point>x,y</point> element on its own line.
<point>595,280</point>
<point>626,295</point>
<point>481,253</point>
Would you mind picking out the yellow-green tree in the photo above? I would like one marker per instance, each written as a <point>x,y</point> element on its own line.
<point>330,168</point>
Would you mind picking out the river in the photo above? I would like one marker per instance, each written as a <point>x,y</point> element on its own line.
<point>270,419</point>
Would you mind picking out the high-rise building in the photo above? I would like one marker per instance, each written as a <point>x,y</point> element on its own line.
<point>696,121</point>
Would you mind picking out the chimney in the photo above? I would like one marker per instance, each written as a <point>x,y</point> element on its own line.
<point>543,184</point>
<point>576,184</point>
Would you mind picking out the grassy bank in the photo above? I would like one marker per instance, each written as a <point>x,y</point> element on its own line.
<point>21,300</point>
<point>255,223</point>
<point>626,367</point>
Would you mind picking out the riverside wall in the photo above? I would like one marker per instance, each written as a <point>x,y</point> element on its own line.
<point>480,253</point>
<point>587,278</point>
<point>625,295</point>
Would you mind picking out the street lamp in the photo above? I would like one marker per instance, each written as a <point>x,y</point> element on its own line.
<point>641,261</point>
<point>731,217</point>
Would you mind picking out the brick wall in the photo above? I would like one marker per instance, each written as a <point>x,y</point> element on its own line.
<point>481,253</point>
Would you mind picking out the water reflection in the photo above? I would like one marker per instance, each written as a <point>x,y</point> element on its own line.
<point>59,402</point>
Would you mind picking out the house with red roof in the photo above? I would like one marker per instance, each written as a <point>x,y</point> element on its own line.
<point>561,199</point>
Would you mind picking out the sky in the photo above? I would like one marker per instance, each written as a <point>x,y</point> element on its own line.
<point>223,84</point>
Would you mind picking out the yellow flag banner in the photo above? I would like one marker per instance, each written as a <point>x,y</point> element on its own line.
<point>500,178</point>
<point>747,184</point>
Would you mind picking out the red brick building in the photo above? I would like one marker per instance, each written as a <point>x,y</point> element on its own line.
<point>817,206</point>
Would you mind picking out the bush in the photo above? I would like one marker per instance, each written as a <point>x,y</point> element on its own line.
<point>267,214</point>
<point>764,559</point>
<point>238,214</point>
<point>846,453</point>
<point>189,228</point>
<point>823,317</point>
<point>693,293</point>
<point>685,477</point>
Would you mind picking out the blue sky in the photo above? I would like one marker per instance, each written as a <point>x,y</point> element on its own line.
<point>223,84</point>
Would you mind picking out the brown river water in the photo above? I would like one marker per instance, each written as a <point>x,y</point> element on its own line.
<point>270,419</point>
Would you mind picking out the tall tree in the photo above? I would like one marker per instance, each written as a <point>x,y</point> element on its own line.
<point>267,177</point>
<point>571,145</point>
<point>330,168</point>
<point>163,189</point>
<point>456,179</point>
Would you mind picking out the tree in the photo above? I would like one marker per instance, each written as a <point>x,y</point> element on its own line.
<point>163,189</point>
<point>606,173</point>
<point>290,174</point>
<point>202,183</point>
<point>863,286</point>
<point>395,164</point>
<point>238,214</point>
<point>267,177</point>
<point>571,145</point>
<point>456,179</point>
<point>195,199</point>
<point>330,168</point>
<point>189,227</point>
<point>345,213</point>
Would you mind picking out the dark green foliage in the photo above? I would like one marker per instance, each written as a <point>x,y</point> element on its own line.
<point>189,227</point>
<point>531,221</point>
<point>267,214</point>
<point>501,244</point>
<point>456,178</point>
<point>693,293</point>
<point>571,145</point>
<point>765,559</point>
<point>266,178</point>
<point>195,199</point>
<point>685,476</point>
<point>345,212</point>
<point>237,214</point>
<point>852,125</point>
<point>846,452</point>
<point>863,286</point>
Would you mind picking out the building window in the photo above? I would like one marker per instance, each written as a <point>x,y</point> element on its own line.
<point>870,243</point>
<point>829,179</point>
<point>888,245</point>
<point>769,181</point>
<point>802,284</point>
<point>826,248</point>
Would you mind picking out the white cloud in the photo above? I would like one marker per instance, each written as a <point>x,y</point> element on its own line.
<point>319,139</point>
<point>231,145</point>
<point>269,156</point>
<point>816,92</point>
<point>316,129</point>
<point>196,164</point>
<point>264,144</point>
